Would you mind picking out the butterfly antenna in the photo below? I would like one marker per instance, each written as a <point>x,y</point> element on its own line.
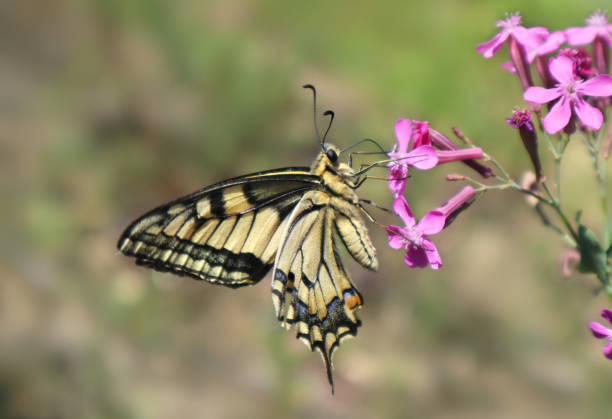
<point>365,140</point>
<point>331,119</point>
<point>314,105</point>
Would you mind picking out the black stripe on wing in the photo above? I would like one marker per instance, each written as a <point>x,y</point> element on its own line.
<point>223,233</point>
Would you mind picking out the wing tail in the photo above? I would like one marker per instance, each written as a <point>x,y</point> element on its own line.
<point>310,288</point>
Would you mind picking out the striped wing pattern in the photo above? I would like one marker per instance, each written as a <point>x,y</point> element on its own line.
<point>227,233</point>
<point>310,288</point>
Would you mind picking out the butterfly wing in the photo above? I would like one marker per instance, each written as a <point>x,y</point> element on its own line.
<point>227,233</point>
<point>310,287</point>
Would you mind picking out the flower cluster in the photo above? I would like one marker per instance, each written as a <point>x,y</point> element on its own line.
<point>573,96</point>
<point>569,81</point>
<point>576,87</point>
<point>423,148</point>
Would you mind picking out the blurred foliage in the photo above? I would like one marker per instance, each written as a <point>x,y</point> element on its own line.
<point>111,107</point>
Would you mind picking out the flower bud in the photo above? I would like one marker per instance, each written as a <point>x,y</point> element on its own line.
<point>541,65</point>
<point>454,177</point>
<point>569,260</point>
<point>521,119</point>
<point>601,55</point>
<point>529,182</point>
<point>519,60</point>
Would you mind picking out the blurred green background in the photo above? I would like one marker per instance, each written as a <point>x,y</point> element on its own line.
<point>111,107</point>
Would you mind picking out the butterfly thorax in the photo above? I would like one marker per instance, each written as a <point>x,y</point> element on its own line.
<point>337,177</point>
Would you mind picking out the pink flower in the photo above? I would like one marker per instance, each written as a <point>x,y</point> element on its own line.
<point>422,157</point>
<point>420,251</point>
<point>546,45</point>
<point>597,26</point>
<point>599,32</point>
<point>569,92</point>
<point>529,38</point>
<point>602,332</point>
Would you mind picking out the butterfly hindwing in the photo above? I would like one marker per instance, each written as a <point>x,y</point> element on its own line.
<point>310,287</point>
<point>227,233</point>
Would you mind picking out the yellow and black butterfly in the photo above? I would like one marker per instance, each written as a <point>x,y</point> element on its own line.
<point>288,220</point>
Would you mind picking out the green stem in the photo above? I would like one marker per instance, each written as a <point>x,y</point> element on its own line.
<point>505,176</point>
<point>600,177</point>
<point>566,222</point>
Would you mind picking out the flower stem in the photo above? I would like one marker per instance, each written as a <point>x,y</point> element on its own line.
<point>504,175</point>
<point>556,205</point>
<point>600,176</point>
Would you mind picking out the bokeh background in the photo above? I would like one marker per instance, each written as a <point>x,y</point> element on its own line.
<point>111,107</point>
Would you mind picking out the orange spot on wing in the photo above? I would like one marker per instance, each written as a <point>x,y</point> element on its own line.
<point>352,301</point>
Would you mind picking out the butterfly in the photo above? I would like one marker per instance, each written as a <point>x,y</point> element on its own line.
<point>288,220</point>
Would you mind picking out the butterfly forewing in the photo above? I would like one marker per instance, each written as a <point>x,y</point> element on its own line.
<point>227,233</point>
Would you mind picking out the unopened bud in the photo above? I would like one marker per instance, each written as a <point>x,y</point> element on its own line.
<point>601,55</point>
<point>541,65</point>
<point>459,134</point>
<point>529,182</point>
<point>521,120</point>
<point>569,260</point>
<point>454,177</point>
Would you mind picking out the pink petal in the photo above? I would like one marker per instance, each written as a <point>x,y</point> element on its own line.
<point>588,115</point>
<point>607,351</point>
<point>422,158</point>
<point>433,257</point>
<point>415,257</point>
<point>580,36</point>
<point>537,94</point>
<point>397,178</point>
<point>551,43</point>
<point>558,116</point>
<point>421,133</point>
<point>599,331</point>
<point>401,208</point>
<point>529,37</point>
<point>607,314</point>
<point>403,131</point>
<point>489,48</point>
<point>432,222</point>
<point>562,69</point>
<point>395,237</point>
<point>600,85</point>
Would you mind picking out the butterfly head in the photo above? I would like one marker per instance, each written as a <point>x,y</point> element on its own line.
<point>328,166</point>
<point>332,154</point>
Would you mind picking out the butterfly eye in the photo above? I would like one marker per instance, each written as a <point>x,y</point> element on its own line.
<point>332,155</point>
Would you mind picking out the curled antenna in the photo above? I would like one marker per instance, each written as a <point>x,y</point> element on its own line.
<point>314,105</point>
<point>328,112</point>
<point>369,140</point>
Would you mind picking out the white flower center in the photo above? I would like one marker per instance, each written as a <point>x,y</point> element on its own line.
<point>412,237</point>
<point>598,20</point>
